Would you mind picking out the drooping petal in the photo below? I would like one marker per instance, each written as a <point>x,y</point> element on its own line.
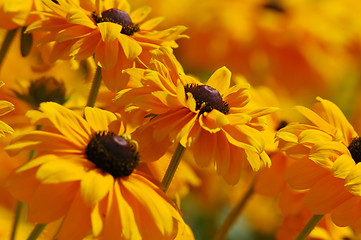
<point>213,121</point>
<point>326,194</point>
<point>95,186</point>
<point>131,48</point>
<point>353,180</point>
<point>303,174</point>
<point>76,224</point>
<point>342,166</point>
<point>51,201</point>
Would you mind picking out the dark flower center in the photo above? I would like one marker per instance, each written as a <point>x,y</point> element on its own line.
<point>274,5</point>
<point>355,149</point>
<point>207,98</point>
<point>116,155</point>
<point>45,89</point>
<point>119,17</point>
<point>281,124</point>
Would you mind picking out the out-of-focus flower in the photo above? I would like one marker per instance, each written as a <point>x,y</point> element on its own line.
<point>300,46</point>
<point>213,120</point>
<point>184,178</point>
<point>17,13</point>
<point>5,107</point>
<point>328,155</point>
<point>108,30</point>
<point>85,172</point>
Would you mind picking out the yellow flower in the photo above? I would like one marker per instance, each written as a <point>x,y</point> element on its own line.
<point>328,155</point>
<point>85,173</point>
<point>106,29</point>
<point>16,13</point>
<point>211,119</point>
<point>5,107</point>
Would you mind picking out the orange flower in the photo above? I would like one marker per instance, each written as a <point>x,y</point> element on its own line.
<point>85,173</point>
<point>214,119</point>
<point>107,30</point>
<point>328,155</point>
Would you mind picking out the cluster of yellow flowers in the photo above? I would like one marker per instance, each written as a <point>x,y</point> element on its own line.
<point>116,124</point>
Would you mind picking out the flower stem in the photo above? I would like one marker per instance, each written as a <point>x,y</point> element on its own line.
<point>36,231</point>
<point>19,207</point>
<point>6,44</point>
<point>173,165</point>
<point>234,214</point>
<point>311,224</point>
<point>95,87</point>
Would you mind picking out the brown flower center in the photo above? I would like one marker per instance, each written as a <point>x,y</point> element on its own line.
<point>45,89</point>
<point>281,124</point>
<point>355,149</point>
<point>207,98</point>
<point>116,155</point>
<point>119,17</point>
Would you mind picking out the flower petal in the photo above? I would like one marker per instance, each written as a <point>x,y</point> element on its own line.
<point>95,186</point>
<point>220,80</point>
<point>131,47</point>
<point>109,31</point>
<point>61,170</point>
<point>353,180</point>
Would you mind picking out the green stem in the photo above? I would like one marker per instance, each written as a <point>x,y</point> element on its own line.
<point>19,207</point>
<point>36,231</point>
<point>307,229</point>
<point>95,88</point>
<point>234,214</point>
<point>173,165</point>
<point>6,44</point>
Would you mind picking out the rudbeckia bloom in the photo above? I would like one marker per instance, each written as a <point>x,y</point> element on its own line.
<point>211,119</point>
<point>328,155</point>
<point>106,29</point>
<point>84,172</point>
<point>5,107</point>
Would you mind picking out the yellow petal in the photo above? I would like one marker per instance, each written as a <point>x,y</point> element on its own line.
<point>220,80</point>
<point>109,31</point>
<point>99,119</point>
<point>126,210</point>
<point>131,47</point>
<point>353,180</point>
<point>151,24</point>
<point>140,14</point>
<point>60,170</point>
<point>80,18</point>
<point>95,186</point>
<point>342,166</point>
<point>213,121</point>
<point>5,107</point>
<point>96,220</point>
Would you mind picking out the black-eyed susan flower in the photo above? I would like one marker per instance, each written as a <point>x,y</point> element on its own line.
<point>84,172</point>
<point>106,29</point>
<point>5,107</point>
<point>327,167</point>
<point>212,119</point>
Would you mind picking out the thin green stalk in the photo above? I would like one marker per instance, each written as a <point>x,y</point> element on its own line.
<point>6,44</point>
<point>36,231</point>
<point>19,207</point>
<point>234,214</point>
<point>173,165</point>
<point>95,88</point>
<point>311,224</point>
